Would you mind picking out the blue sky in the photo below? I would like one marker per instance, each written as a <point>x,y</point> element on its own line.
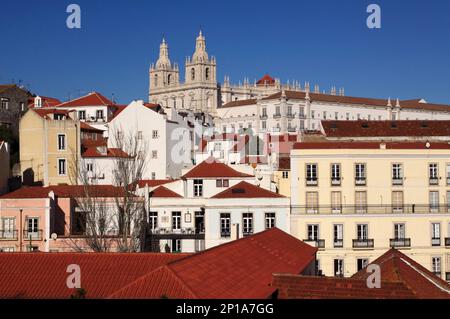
<point>324,41</point>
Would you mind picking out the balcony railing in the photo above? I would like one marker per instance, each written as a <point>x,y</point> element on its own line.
<point>8,235</point>
<point>434,181</point>
<point>277,116</point>
<point>311,182</point>
<point>436,241</point>
<point>178,233</point>
<point>371,209</point>
<point>292,129</point>
<point>338,243</point>
<point>290,115</point>
<point>319,243</point>
<point>33,235</point>
<point>335,182</point>
<point>447,242</point>
<point>363,243</point>
<point>400,242</point>
<point>247,232</point>
<point>263,117</point>
<point>360,181</point>
<point>302,116</point>
<point>397,181</point>
<point>225,234</point>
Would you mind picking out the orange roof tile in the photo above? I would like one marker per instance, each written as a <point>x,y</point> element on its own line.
<point>247,190</point>
<point>210,168</point>
<point>68,191</point>
<point>370,145</point>
<point>162,191</point>
<point>92,99</point>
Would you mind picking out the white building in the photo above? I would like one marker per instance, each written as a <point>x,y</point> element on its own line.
<point>168,143</point>
<point>296,111</point>
<point>4,166</point>
<point>210,205</point>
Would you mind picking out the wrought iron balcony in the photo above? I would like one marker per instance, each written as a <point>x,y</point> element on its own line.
<point>434,181</point>
<point>178,233</point>
<point>319,243</point>
<point>277,116</point>
<point>335,182</point>
<point>311,182</point>
<point>263,117</point>
<point>397,181</point>
<point>247,232</point>
<point>400,242</point>
<point>436,241</point>
<point>302,116</point>
<point>225,234</point>
<point>292,129</point>
<point>33,235</point>
<point>8,234</point>
<point>371,209</point>
<point>338,243</point>
<point>290,115</point>
<point>360,181</point>
<point>363,243</point>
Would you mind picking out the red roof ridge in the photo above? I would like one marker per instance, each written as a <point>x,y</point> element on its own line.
<point>263,193</point>
<point>162,191</point>
<point>211,168</point>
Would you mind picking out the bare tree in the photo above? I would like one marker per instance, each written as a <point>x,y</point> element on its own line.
<point>111,218</point>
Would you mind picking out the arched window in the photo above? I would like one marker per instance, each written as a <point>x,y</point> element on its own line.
<point>169,78</point>
<point>192,74</point>
<point>156,79</point>
<point>207,74</point>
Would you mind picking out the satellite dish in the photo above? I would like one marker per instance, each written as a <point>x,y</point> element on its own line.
<point>54,236</point>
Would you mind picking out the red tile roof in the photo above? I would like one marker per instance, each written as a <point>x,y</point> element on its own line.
<point>397,267</point>
<point>370,145</point>
<point>66,191</point>
<point>239,269</point>
<point>266,80</point>
<point>92,99</point>
<point>86,127</point>
<point>44,275</point>
<point>93,152</point>
<point>210,168</point>
<point>284,163</point>
<point>46,101</point>
<point>386,128</point>
<point>45,112</point>
<point>162,191</point>
<point>247,190</point>
<point>309,287</point>
<point>154,182</point>
<point>239,103</point>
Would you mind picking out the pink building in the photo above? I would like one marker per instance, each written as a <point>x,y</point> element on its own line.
<point>45,218</point>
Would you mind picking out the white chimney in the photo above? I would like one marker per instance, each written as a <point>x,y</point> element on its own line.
<point>234,231</point>
<point>38,101</point>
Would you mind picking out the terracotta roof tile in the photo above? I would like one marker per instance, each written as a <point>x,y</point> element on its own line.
<point>162,191</point>
<point>68,191</point>
<point>210,168</point>
<point>247,190</point>
<point>92,99</point>
<point>93,152</point>
<point>370,145</point>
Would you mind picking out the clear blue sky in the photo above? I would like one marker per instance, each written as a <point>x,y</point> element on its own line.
<point>324,42</point>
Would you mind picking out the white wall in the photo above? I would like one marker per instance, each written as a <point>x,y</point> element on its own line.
<point>4,167</point>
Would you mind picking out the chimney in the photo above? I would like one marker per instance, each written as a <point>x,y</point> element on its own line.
<point>234,231</point>
<point>37,101</point>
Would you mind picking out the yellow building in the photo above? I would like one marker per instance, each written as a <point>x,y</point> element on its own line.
<point>355,200</point>
<point>49,144</point>
<point>282,177</point>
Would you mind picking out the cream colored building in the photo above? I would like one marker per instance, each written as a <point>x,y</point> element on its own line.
<point>355,200</point>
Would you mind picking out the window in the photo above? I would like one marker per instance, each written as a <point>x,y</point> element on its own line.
<point>99,114</point>
<point>338,235</point>
<point>448,204</point>
<point>339,267</point>
<point>302,125</point>
<point>32,227</point>
<point>176,245</point>
<point>169,78</point>
<point>361,263</point>
<point>198,187</point>
<point>225,225</point>
<point>448,174</point>
<point>140,135</point>
<point>154,154</point>
<point>358,116</point>
<point>360,174</point>
<point>62,167</point>
<point>22,106</point>
<point>222,183</point>
<point>435,234</point>
<point>263,125</point>
<point>434,201</point>
<point>362,231</point>
<point>155,134</point>
<point>176,220</point>
<point>7,249</point>
<point>302,112</point>
<point>324,115</point>
<point>313,113</point>
<point>277,111</point>
<point>5,103</point>
<point>82,115</point>
<point>361,202</point>
<point>289,110</point>
<point>336,202</point>
<point>156,79</point>
<point>270,220</point>
<point>90,167</point>
<point>153,175</point>
<point>397,202</point>
<point>399,231</point>
<point>192,74</point>
<point>153,220</point>
<point>9,227</point>
<point>61,142</point>
<point>264,112</point>
<point>347,116</point>
<point>285,175</point>
<point>247,219</point>
<point>436,265</point>
<point>433,173</point>
<point>311,174</point>
<point>397,174</point>
<point>336,115</point>
<point>313,232</point>
<point>312,202</point>
<point>335,174</point>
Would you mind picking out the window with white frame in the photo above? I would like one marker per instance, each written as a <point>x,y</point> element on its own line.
<point>61,142</point>
<point>362,231</point>
<point>225,225</point>
<point>448,174</point>
<point>4,103</point>
<point>176,245</point>
<point>311,172</point>
<point>153,220</point>
<point>361,263</point>
<point>99,114</point>
<point>335,173</point>
<point>90,167</point>
<point>263,125</point>
<point>155,134</point>
<point>339,267</point>
<point>154,154</point>
<point>270,220</point>
<point>336,202</point>
<point>312,202</point>
<point>247,221</point>
<point>32,227</point>
<point>360,173</point>
<point>264,112</point>
<point>198,187</point>
<point>176,220</point>
<point>399,231</point>
<point>434,201</point>
<point>139,135</point>
<point>433,173</point>
<point>153,175</point>
<point>8,227</point>
<point>397,172</point>
<point>436,265</point>
<point>285,174</point>
<point>313,232</point>
<point>62,167</point>
<point>338,235</point>
<point>435,234</point>
<point>397,201</point>
<point>361,201</point>
<point>82,115</point>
